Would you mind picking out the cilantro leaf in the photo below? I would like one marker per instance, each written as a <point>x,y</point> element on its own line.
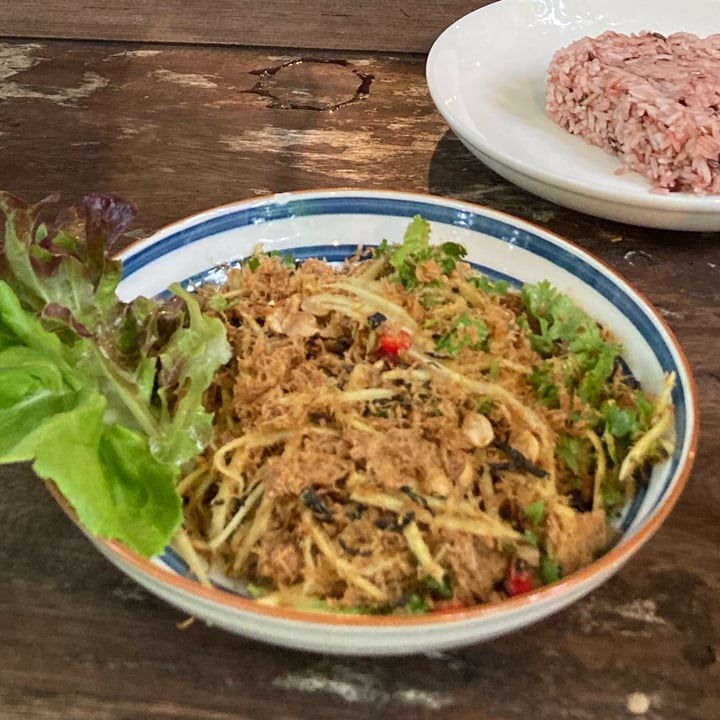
<point>442,589</point>
<point>556,319</point>
<point>416,249</point>
<point>416,604</point>
<point>576,354</point>
<point>619,422</point>
<point>550,571</point>
<point>486,285</point>
<point>573,451</point>
<point>465,332</point>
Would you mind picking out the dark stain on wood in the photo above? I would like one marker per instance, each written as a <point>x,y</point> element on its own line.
<point>309,83</point>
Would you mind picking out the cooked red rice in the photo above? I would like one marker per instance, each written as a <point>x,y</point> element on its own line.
<point>650,99</point>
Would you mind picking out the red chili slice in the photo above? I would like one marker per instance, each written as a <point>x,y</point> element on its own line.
<point>519,584</point>
<point>393,344</point>
<point>519,580</point>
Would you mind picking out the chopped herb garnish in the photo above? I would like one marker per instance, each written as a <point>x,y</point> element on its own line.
<point>535,511</point>
<point>466,332</point>
<point>549,570</point>
<point>416,604</point>
<point>491,287</point>
<point>416,249</point>
<point>252,263</point>
<point>218,302</point>
<point>439,589</point>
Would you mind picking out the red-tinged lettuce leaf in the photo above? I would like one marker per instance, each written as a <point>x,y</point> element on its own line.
<point>65,263</point>
<point>21,243</point>
<point>106,218</point>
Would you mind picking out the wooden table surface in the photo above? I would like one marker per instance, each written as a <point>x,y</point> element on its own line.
<point>183,127</point>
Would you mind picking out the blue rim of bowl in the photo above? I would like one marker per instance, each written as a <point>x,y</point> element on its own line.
<point>501,227</point>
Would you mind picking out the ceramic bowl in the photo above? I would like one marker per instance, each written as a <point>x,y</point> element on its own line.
<point>331,224</point>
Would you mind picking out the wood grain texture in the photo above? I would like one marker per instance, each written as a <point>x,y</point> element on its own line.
<point>399,26</point>
<point>175,128</point>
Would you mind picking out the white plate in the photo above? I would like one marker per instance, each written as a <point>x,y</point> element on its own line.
<point>331,224</point>
<point>486,74</point>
